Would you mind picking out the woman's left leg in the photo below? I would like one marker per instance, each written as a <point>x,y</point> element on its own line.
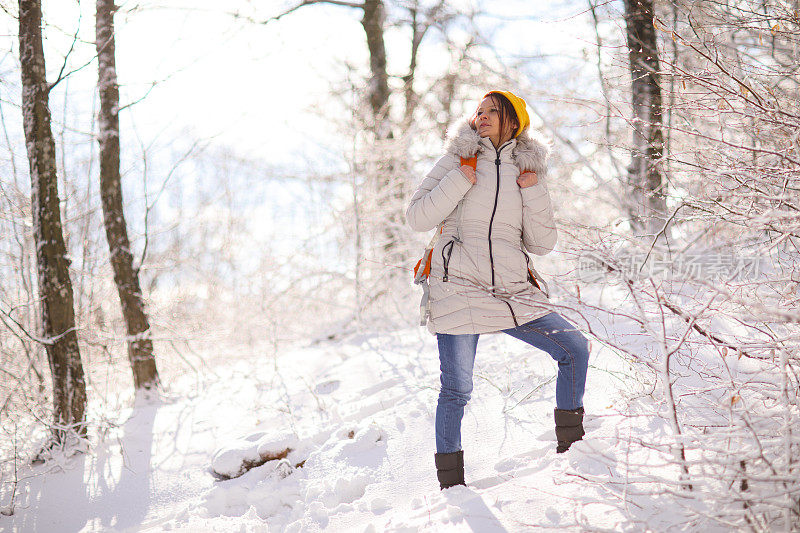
<point>456,358</point>
<point>570,349</point>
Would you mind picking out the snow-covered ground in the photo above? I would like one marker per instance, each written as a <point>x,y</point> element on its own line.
<point>351,421</point>
<point>359,416</point>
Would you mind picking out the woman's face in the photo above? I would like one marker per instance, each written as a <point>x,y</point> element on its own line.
<point>487,121</point>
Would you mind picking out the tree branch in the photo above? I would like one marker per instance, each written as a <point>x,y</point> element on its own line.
<point>302,4</point>
<point>61,74</point>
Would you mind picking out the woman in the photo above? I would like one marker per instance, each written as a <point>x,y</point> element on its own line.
<point>479,277</point>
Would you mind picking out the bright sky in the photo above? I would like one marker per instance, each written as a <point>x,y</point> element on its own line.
<point>260,90</point>
<point>248,83</point>
<point>252,86</point>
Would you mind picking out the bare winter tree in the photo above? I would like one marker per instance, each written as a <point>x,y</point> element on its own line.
<point>645,177</point>
<point>373,22</point>
<point>55,288</point>
<point>385,170</point>
<point>379,123</point>
<point>721,307</point>
<point>126,277</point>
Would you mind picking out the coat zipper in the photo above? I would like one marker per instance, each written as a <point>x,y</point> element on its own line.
<point>446,260</point>
<point>491,221</point>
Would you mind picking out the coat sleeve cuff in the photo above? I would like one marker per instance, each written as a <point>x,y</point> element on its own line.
<point>455,183</point>
<point>534,192</point>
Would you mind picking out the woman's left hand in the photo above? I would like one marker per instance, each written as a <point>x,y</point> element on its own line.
<point>526,179</point>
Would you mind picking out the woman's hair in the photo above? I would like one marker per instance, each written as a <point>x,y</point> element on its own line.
<point>508,115</point>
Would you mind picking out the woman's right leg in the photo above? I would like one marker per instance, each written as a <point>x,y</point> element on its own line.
<point>456,360</point>
<point>570,349</point>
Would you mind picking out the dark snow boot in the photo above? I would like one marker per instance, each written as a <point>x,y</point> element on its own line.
<point>450,469</point>
<point>569,427</point>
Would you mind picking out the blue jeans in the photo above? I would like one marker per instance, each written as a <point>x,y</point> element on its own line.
<point>551,333</point>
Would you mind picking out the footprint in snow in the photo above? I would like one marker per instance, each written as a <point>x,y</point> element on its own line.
<point>507,464</point>
<point>589,458</point>
<point>552,515</point>
<point>548,436</point>
<point>379,505</point>
<point>327,387</point>
<point>369,391</point>
<point>514,467</point>
<point>520,460</point>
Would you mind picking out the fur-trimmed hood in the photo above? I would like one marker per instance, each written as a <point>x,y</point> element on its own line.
<point>529,152</point>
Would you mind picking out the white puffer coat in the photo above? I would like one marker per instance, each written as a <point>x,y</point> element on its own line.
<point>485,287</point>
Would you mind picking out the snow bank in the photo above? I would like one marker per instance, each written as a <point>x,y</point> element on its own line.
<point>340,437</point>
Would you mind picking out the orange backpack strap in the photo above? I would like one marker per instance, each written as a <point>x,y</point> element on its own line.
<point>427,271</point>
<point>426,260</point>
<point>426,268</point>
<point>473,162</point>
<point>470,162</point>
<point>531,279</point>
<point>422,272</point>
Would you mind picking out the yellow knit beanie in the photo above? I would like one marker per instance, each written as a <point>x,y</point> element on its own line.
<point>519,107</point>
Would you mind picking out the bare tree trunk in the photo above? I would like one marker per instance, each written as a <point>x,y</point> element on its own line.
<point>417,33</point>
<point>421,22</point>
<point>387,171</point>
<point>126,277</point>
<point>388,187</point>
<point>678,449</point>
<point>648,214</point>
<point>786,429</point>
<point>55,287</point>
<point>373,23</point>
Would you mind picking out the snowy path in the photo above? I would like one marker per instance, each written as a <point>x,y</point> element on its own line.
<point>361,414</point>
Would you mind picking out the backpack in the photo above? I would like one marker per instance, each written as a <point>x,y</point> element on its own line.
<point>422,270</point>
